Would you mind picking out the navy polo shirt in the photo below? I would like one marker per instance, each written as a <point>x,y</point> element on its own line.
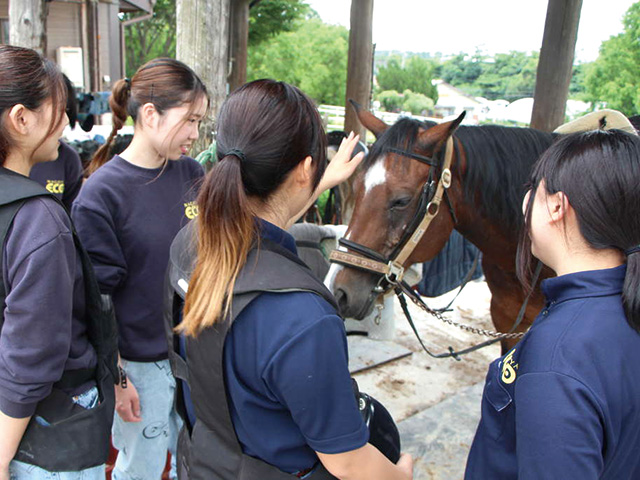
<point>565,401</point>
<point>287,376</point>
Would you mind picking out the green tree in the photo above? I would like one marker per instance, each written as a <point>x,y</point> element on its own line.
<point>390,100</point>
<point>416,76</point>
<point>156,37</point>
<point>270,17</point>
<point>461,69</point>
<point>152,38</point>
<point>613,78</point>
<point>417,103</point>
<point>313,57</point>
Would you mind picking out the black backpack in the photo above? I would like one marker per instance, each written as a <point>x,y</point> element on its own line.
<point>75,438</point>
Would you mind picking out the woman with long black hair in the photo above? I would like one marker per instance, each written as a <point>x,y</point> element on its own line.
<point>565,401</point>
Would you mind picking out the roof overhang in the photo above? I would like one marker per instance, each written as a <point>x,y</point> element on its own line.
<point>133,6</point>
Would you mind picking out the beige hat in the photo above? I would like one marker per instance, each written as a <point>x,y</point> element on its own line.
<point>600,120</point>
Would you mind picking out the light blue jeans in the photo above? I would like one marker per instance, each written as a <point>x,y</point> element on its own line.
<point>24,471</point>
<point>143,445</point>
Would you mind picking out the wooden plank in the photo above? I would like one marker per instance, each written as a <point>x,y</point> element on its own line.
<point>365,353</point>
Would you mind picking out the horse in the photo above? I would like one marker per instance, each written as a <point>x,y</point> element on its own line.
<point>489,167</point>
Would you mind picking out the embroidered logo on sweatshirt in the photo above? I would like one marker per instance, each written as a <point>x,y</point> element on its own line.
<point>55,186</point>
<point>509,368</point>
<point>191,210</point>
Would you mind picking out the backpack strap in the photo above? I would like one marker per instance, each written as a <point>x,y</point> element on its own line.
<point>15,190</point>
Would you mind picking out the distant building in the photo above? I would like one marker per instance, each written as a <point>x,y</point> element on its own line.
<point>452,102</point>
<point>92,63</point>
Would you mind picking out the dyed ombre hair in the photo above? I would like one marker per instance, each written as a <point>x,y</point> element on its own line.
<point>265,129</point>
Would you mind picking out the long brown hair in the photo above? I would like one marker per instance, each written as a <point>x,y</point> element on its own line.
<point>27,78</point>
<point>265,129</point>
<point>164,82</point>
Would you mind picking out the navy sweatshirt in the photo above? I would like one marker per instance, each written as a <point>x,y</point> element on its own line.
<point>43,333</point>
<point>63,176</point>
<point>126,217</point>
<point>565,401</point>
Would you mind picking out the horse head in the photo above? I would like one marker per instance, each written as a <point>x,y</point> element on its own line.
<point>401,172</point>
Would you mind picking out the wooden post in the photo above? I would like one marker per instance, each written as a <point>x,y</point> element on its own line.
<point>202,41</point>
<point>359,65</point>
<point>239,26</point>
<point>556,64</point>
<point>28,23</point>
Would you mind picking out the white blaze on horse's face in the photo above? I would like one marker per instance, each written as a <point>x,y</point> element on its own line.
<point>334,269</point>
<point>376,175</point>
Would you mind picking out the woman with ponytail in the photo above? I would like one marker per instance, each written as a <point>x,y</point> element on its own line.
<point>565,401</point>
<point>268,394</point>
<point>127,214</point>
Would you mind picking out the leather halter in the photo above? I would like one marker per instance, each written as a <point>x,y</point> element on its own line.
<point>391,269</point>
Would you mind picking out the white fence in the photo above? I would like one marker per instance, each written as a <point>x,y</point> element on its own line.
<point>333,116</point>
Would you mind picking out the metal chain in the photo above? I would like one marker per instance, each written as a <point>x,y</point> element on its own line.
<point>462,326</point>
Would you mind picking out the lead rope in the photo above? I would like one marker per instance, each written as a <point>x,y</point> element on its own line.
<point>401,289</point>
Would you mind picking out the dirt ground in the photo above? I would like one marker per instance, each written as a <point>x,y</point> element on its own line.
<point>426,393</point>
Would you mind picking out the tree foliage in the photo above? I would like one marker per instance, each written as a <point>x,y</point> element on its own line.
<point>152,38</point>
<point>508,76</point>
<point>313,57</point>
<point>415,75</point>
<point>270,17</point>
<point>613,78</point>
<point>156,37</point>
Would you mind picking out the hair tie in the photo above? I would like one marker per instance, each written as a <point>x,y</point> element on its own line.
<point>127,80</point>
<point>236,153</point>
<point>632,250</point>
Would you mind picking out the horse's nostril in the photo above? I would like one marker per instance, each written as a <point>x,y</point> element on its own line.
<point>341,299</point>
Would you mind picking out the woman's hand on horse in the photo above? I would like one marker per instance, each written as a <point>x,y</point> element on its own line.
<point>342,165</point>
<point>128,403</point>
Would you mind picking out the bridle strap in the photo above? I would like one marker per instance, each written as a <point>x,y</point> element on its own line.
<point>393,268</point>
<point>432,208</point>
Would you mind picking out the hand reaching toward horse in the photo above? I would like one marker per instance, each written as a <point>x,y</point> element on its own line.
<point>342,165</point>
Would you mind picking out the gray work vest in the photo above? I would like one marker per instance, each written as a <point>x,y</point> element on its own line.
<point>211,449</point>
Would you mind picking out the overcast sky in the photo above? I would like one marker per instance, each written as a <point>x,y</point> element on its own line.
<point>495,26</point>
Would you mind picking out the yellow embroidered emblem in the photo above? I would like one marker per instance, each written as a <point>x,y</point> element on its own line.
<point>509,368</point>
<point>191,210</point>
<point>55,186</point>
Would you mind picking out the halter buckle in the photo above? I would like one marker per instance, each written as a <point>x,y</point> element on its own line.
<point>396,272</point>
<point>446,178</point>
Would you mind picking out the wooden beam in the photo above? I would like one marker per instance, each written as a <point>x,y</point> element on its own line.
<point>556,64</point>
<point>360,63</point>
<point>202,41</point>
<point>28,24</point>
<point>239,26</point>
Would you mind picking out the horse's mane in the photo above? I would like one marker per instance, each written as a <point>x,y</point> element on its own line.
<point>499,160</point>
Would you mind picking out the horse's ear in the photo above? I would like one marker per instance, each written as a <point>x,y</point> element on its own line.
<point>369,120</point>
<point>456,123</point>
<point>441,131</point>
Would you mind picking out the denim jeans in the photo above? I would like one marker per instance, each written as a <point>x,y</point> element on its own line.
<point>143,445</point>
<point>24,471</point>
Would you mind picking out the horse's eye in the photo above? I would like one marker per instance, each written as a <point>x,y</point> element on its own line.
<point>399,203</point>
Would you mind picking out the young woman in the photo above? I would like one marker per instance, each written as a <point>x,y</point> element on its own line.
<point>127,213</point>
<point>43,330</point>
<point>284,359</point>
<point>63,176</point>
<point>565,401</point>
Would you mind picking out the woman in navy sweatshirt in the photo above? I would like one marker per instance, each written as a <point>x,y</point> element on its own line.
<point>127,214</point>
<point>565,401</point>
<point>43,331</point>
